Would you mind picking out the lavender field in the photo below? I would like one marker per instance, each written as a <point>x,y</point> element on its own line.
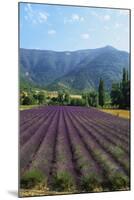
<point>74,149</point>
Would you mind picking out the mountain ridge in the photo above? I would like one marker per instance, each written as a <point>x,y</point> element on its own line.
<point>65,51</point>
<point>76,70</point>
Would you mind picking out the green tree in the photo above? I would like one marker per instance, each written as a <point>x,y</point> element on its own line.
<point>101,93</point>
<point>77,102</point>
<point>22,96</point>
<point>127,101</point>
<point>60,97</point>
<point>125,76</point>
<point>93,99</point>
<point>35,96</point>
<point>41,98</point>
<point>115,94</point>
<point>27,100</point>
<point>125,90</point>
<point>67,98</point>
<point>120,93</point>
<point>85,97</point>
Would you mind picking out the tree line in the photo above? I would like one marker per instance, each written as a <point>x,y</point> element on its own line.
<point>119,96</point>
<point>32,98</point>
<point>120,92</point>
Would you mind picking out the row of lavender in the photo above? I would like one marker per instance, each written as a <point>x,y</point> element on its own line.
<point>76,148</point>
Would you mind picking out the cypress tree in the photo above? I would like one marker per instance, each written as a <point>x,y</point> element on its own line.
<point>125,90</point>
<point>125,76</point>
<point>120,93</point>
<point>101,93</point>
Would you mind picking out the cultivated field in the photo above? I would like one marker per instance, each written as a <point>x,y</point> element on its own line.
<point>55,94</point>
<point>75,149</point>
<point>118,112</point>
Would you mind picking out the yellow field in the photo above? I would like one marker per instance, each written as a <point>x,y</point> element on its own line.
<point>52,94</point>
<point>22,107</point>
<point>118,112</point>
<point>75,96</point>
<point>55,94</point>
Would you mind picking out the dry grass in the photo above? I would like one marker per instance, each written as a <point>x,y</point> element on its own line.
<point>35,192</point>
<point>26,107</point>
<point>118,112</point>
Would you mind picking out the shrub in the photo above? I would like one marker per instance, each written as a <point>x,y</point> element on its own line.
<point>31,178</point>
<point>54,99</point>
<point>77,102</point>
<point>62,182</point>
<point>27,100</point>
<point>90,183</point>
<point>41,98</point>
<point>119,181</point>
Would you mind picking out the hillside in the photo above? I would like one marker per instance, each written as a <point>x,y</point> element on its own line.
<point>76,71</point>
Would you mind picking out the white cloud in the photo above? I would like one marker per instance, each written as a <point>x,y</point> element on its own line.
<point>85,36</point>
<point>82,19</point>
<point>101,17</point>
<point>74,18</point>
<point>29,7</point>
<point>117,25</point>
<point>106,17</point>
<point>52,32</point>
<point>42,17</point>
<point>29,12</point>
<point>69,21</point>
<point>95,14</point>
<point>35,16</point>
<point>66,21</point>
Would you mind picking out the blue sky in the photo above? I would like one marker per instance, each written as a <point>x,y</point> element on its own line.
<point>68,28</point>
